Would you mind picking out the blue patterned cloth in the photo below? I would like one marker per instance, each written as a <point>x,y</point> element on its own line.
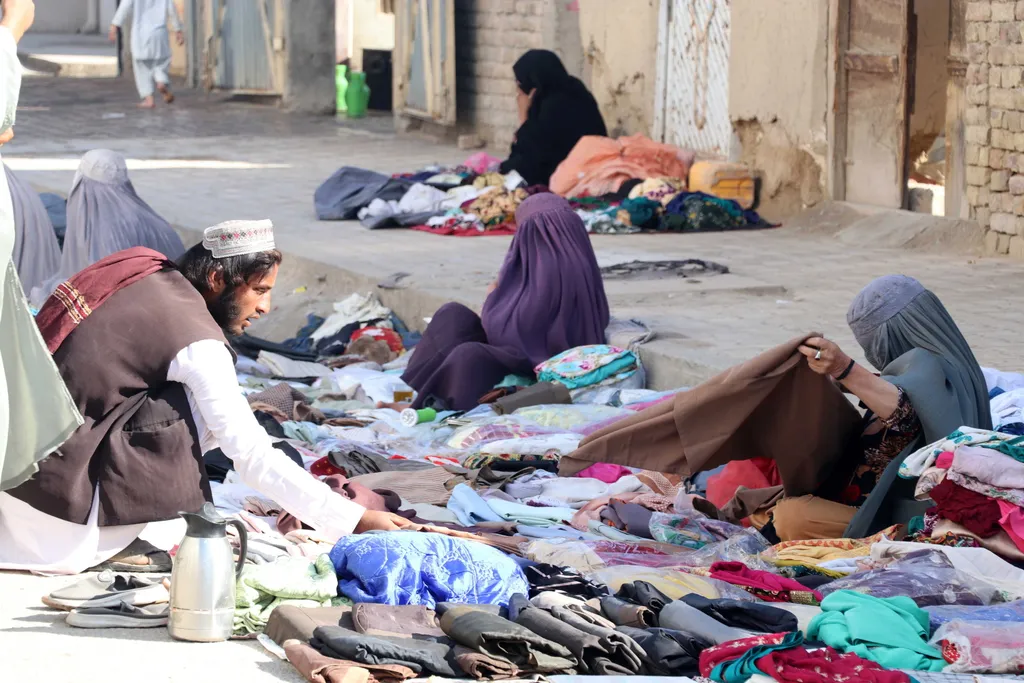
<point>416,568</point>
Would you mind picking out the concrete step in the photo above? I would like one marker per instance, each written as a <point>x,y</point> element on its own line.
<point>68,56</point>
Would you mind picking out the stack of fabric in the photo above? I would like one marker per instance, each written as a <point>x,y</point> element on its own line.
<point>976,479</point>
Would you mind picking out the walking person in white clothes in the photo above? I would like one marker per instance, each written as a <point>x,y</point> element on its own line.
<point>151,45</point>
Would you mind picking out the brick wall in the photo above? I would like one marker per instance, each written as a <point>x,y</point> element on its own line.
<point>490,36</point>
<point>994,122</point>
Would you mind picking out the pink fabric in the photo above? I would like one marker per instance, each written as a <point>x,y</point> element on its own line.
<point>1012,521</point>
<point>604,471</point>
<point>482,162</point>
<point>944,460</point>
<point>739,574</point>
<point>597,165</point>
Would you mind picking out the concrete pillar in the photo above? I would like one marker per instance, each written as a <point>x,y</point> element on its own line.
<point>309,56</point>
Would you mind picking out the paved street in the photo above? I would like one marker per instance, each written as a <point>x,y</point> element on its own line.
<point>206,160</point>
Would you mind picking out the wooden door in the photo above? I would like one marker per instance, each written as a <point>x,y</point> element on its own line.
<point>873,69</point>
<point>956,109</point>
<point>424,56</point>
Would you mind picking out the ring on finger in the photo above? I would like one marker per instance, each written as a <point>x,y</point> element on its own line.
<point>817,356</point>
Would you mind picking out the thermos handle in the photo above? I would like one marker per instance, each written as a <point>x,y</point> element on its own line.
<point>243,548</point>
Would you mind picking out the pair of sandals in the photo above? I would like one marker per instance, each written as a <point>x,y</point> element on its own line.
<point>109,600</point>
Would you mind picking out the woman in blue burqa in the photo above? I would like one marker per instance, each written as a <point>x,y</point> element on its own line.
<point>36,250</point>
<point>548,298</point>
<point>105,215</point>
<point>928,385</point>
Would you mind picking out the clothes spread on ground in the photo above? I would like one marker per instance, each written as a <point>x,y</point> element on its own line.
<point>890,631</point>
<point>422,656</point>
<point>404,568</point>
<point>288,581</point>
<point>503,646</point>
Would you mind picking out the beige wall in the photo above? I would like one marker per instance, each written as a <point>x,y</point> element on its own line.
<point>778,96</point>
<point>620,49</point>
<point>368,28</point>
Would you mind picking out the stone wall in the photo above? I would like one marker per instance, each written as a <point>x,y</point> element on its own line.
<point>610,46</point>
<point>490,35</point>
<point>995,122</point>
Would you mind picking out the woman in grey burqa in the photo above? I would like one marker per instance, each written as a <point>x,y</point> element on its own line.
<point>36,251</point>
<point>929,385</point>
<point>105,215</point>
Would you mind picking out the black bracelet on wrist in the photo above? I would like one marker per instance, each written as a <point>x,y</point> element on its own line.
<point>846,372</point>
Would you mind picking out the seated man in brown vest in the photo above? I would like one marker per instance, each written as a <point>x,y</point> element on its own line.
<point>140,343</point>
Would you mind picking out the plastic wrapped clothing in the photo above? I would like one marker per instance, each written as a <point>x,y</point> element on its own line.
<point>36,251</point>
<point>106,215</point>
<point>33,397</point>
<point>1006,612</point>
<point>927,577</point>
<point>349,189</point>
<point>415,568</point>
<point>990,647</point>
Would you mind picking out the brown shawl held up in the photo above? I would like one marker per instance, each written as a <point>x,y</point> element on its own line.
<point>772,406</point>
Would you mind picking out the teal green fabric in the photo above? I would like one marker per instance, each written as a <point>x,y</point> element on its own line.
<point>890,631</point>
<point>296,581</point>
<point>740,669</point>
<point>1013,448</point>
<point>515,381</point>
<point>620,365</point>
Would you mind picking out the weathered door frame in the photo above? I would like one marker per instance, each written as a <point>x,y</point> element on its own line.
<point>956,109</point>
<point>438,65</point>
<point>841,62</point>
<point>703,130</point>
<point>210,25</point>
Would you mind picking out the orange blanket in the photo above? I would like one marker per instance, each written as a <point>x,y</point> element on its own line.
<point>599,165</point>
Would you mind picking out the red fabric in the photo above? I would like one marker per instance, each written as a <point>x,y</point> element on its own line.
<point>74,300</point>
<point>824,666</point>
<point>710,657</point>
<point>325,468</point>
<point>393,339</point>
<point>944,461</point>
<point>977,512</point>
<point>451,228</point>
<point>777,587</point>
<point>756,473</point>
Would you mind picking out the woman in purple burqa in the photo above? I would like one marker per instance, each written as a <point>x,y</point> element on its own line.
<point>548,298</point>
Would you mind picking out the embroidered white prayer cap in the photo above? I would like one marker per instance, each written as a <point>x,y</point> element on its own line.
<point>234,238</point>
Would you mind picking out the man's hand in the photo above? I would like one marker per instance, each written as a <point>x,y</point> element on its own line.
<point>6,136</point>
<point>373,520</point>
<point>18,16</point>
<point>179,37</point>
<point>112,33</point>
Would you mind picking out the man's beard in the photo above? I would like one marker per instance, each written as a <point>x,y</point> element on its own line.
<point>226,312</point>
